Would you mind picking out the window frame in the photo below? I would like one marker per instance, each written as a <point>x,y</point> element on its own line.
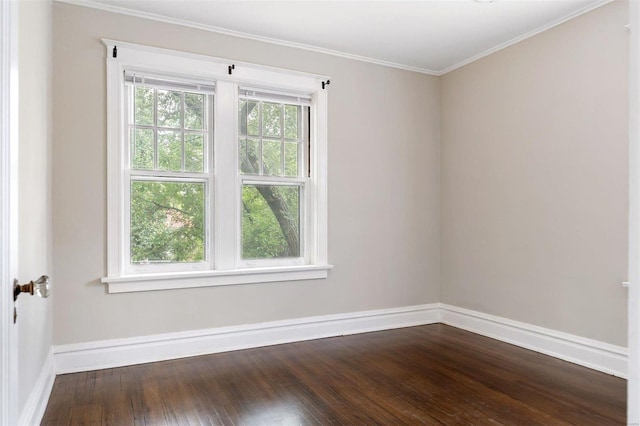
<point>224,266</point>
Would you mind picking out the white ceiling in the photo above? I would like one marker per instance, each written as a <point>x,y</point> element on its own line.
<point>427,36</point>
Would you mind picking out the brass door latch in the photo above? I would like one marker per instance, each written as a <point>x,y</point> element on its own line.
<point>38,287</point>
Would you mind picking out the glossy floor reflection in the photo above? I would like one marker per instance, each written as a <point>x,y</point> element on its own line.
<point>431,374</point>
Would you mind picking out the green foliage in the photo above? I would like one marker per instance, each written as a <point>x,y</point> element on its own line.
<point>291,158</point>
<point>168,217</point>
<point>169,108</point>
<point>169,150</point>
<point>291,121</point>
<point>167,221</point>
<point>193,152</point>
<point>144,105</point>
<point>194,111</point>
<point>142,148</point>
<point>270,219</point>
<point>263,235</point>
<point>271,158</point>
<point>271,119</point>
<point>279,152</point>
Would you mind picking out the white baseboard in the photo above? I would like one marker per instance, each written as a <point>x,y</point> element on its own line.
<point>37,403</point>
<point>589,353</point>
<point>137,350</point>
<point>98,355</point>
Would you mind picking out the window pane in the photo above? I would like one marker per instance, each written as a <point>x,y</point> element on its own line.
<point>249,156</point>
<point>193,152</point>
<point>249,121</point>
<point>167,222</point>
<point>270,221</point>
<point>271,119</point>
<point>271,158</point>
<point>142,148</point>
<point>144,106</point>
<point>291,158</point>
<point>170,150</point>
<point>194,111</point>
<point>169,108</point>
<point>291,121</point>
<point>242,116</point>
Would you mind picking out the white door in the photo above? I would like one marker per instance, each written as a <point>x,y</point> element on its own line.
<point>8,210</point>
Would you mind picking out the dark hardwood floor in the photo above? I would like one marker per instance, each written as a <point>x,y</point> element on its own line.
<point>431,374</point>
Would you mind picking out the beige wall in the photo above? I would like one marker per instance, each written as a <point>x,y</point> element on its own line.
<point>34,258</point>
<point>534,179</point>
<point>383,189</point>
<point>532,194</point>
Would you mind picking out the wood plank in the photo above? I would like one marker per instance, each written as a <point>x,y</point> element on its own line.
<point>431,375</point>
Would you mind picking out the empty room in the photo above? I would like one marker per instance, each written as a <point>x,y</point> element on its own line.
<point>320,212</point>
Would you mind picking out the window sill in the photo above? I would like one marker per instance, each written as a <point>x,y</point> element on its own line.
<point>174,280</point>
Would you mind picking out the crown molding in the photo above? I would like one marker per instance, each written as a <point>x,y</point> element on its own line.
<point>525,36</point>
<point>219,30</point>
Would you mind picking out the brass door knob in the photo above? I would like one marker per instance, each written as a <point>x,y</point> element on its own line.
<point>38,287</point>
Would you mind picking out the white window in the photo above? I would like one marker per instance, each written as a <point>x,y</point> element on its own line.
<point>273,140</point>
<point>216,171</point>
<point>167,174</point>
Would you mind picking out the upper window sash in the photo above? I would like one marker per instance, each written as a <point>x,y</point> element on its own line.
<point>191,125</point>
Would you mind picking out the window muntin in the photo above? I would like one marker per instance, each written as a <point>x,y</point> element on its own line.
<point>169,136</point>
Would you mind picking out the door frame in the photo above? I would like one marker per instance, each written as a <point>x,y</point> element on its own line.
<point>633,374</point>
<point>8,208</point>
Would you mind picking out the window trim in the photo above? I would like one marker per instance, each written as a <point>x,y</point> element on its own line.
<point>225,226</point>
